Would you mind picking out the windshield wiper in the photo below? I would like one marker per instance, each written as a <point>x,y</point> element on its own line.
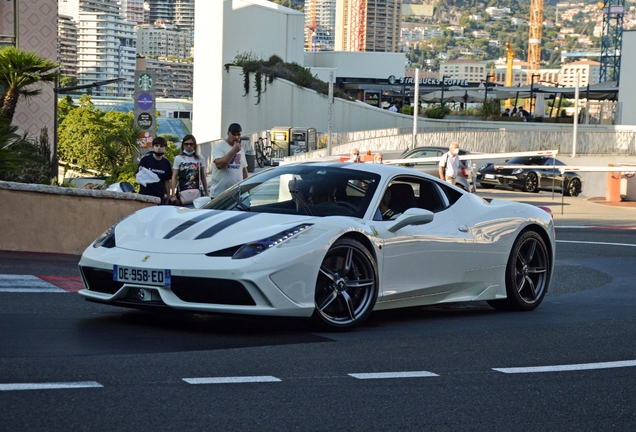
<point>237,199</point>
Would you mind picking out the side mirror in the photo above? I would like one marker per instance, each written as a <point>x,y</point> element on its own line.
<point>201,201</point>
<point>412,216</point>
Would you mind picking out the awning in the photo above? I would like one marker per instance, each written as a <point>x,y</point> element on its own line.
<point>465,96</point>
<point>602,91</point>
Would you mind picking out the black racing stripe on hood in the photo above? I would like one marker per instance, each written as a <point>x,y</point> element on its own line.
<point>187,224</point>
<point>224,224</point>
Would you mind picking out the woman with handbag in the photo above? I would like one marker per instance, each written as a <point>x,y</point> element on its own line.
<point>188,174</point>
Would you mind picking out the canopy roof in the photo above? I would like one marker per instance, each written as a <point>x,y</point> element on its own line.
<point>602,91</point>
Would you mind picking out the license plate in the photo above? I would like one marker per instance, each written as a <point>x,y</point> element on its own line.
<point>489,176</point>
<point>142,276</point>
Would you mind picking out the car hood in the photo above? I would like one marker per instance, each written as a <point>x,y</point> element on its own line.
<point>168,229</point>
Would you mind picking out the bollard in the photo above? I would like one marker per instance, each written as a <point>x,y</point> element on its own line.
<point>613,188</point>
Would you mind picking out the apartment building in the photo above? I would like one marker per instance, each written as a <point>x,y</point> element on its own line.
<point>464,69</point>
<point>67,46</point>
<point>588,70</point>
<point>173,79</point>
<point>163,41</point>
<point>133,10</point>
<point>324,14</point>
<point>374,26</point>
<point>106,47</point>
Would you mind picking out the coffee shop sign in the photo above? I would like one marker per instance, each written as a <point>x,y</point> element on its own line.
<point>427,81</point>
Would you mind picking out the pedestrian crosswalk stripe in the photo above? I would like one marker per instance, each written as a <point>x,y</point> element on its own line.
<point>231,380</point>
<point>26,284</point>
<point>49,386</point>
<point>385,375</point>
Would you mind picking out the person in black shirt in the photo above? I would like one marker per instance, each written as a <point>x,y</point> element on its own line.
<point>155,162</point>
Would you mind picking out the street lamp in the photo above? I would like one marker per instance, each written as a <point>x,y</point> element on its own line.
<point>62,90</point>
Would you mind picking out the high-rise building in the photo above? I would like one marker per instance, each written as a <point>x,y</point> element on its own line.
<point>368,25</point>
<point>133,10</point>
<point>67,46</point>
<point>106,46</point>
<point>163,41</point>
<point>320,25</point>
<point>177,12</point>
<point>173,79</point>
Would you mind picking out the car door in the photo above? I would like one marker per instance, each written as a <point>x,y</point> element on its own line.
<point>551,176</point>
<point>426,167</point>
<point>425,262</point>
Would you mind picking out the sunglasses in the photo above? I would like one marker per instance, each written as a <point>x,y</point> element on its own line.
<point>188,143</point>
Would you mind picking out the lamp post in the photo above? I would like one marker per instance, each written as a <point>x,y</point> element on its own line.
<point>62,90</point>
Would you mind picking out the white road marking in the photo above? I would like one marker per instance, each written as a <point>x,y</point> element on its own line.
<point>385,375</point>
<point>596,243</point>
<point>232,380</point>
<point>49,386</point>
<point>567,368</point>
<point>26,283</point>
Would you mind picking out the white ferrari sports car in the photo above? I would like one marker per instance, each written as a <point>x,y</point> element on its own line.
<point>331,242</point>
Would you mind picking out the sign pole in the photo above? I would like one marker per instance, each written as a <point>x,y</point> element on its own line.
<point>576,114</point>
<point>416,105</point>
<point>330,114</point>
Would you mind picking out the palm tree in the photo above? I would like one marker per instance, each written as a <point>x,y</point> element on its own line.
<point>20,70</point>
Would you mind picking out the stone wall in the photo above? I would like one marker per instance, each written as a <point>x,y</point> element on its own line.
<point>38,218</point>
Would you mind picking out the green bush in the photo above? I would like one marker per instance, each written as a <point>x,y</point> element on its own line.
<point>123,173</point>
<point>437,112</point>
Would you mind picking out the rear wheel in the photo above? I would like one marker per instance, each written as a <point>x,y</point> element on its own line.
<point>527,274</point>
<point>573,188</point>
<point>531,184</point>
<point>346,287</point>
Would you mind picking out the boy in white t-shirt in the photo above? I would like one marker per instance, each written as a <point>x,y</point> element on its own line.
<point>229,163</point>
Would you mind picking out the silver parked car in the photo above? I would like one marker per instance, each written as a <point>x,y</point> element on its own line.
<point>464,179</point>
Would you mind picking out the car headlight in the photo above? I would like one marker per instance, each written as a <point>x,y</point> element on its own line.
<point>517,171</point>
<point>107,239</point>
<point>249,250</point>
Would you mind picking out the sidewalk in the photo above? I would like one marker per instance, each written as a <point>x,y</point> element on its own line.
<point>573,211</point>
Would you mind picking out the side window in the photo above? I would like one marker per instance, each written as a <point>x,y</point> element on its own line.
<point>425,195</point>
<point>425,154</point>
<point>452,195</point>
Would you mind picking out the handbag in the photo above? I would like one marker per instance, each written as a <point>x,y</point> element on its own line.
<point>188,196</point>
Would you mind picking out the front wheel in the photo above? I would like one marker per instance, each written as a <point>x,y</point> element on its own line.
<point>532,183</point>
<point>346,287</point>
<point>527,274</point>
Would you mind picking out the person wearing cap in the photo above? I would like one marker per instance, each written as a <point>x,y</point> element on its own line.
<point>157,163</point>
<point>229,163</point>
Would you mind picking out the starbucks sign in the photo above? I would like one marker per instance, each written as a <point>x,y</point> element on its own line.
<point>145,82</point>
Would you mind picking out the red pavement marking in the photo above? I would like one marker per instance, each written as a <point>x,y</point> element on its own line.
<point>68,283</point>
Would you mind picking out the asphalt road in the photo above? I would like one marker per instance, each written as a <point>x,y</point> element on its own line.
<point>569,365</point>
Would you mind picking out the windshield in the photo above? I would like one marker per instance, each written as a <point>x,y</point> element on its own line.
<point>302,189</point>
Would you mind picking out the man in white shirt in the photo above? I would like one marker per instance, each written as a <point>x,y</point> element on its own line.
<point>393,107</point>
<point>449,164</point>
<point>229,163</point>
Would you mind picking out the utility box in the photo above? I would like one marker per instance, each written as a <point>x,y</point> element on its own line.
<point>290,141</point>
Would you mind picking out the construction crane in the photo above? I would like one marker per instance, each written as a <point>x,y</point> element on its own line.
<point>311,27</point>
<point>358,25</point>
<point>534,38</point>
<point>611,39</point>
<point>509,60</point>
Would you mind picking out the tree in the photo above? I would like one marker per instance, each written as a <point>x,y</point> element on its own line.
<point>93,139</point>
<point>20,71</point>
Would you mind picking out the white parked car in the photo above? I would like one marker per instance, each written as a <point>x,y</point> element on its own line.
<point>314,240</point>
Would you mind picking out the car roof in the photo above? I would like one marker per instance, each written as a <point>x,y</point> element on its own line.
<point>385,170</point>
<point>441,148</point>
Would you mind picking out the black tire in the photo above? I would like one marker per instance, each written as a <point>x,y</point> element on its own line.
<point>260,160</point>
<point>487,186</point>
<point>573,187</point>
<point>531,183</point>
<point>528,274</point>
<point>346,287</point>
